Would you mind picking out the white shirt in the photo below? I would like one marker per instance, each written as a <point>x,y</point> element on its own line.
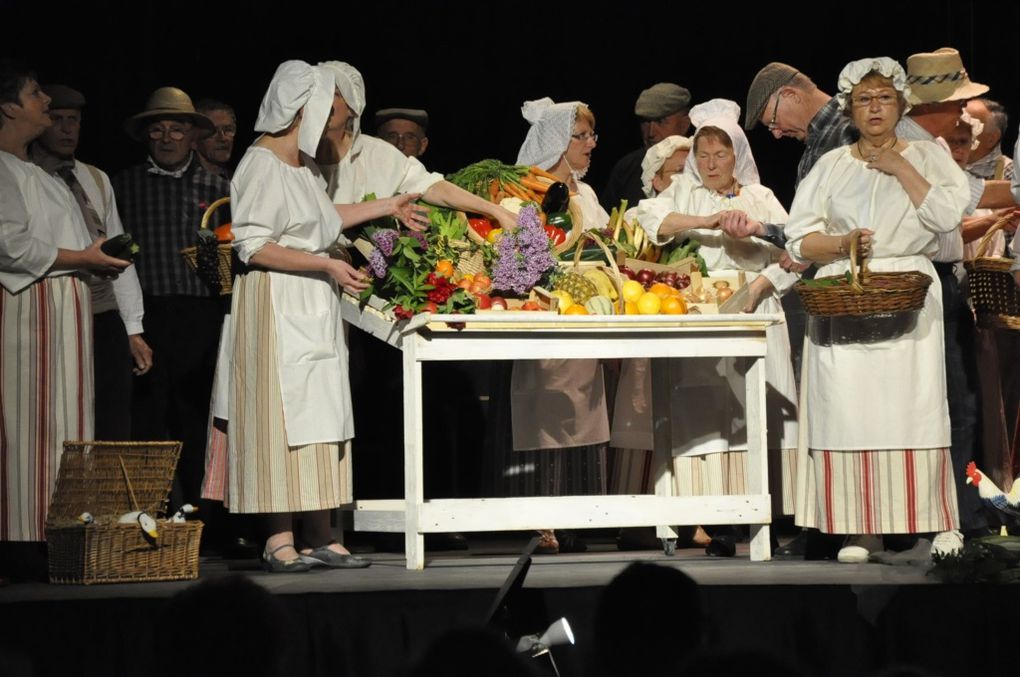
<point>595,216</point>
<point>375,166</point>
<point>38,215</point>
<point>126,287</point>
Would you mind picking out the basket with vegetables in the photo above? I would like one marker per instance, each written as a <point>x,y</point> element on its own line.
<point>996,297</point>
<point>862,292</point>
<point>211,257</point>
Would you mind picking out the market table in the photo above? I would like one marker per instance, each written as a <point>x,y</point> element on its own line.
<point>529,336</point>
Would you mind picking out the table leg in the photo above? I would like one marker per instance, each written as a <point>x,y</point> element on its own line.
<point>414,490</point>
<point>662,438</point>
<point>757,454</point>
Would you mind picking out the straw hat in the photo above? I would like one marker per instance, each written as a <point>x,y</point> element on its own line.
<point>939,76</point>
<point>167,102</point>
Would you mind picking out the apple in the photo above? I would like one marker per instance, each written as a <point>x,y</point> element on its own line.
<point>483,301</point>
<point>497,303</point>
<point>645,277</point>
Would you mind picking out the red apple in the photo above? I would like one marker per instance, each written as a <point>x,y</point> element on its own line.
<point>483,301</point>
<point>497,303</point>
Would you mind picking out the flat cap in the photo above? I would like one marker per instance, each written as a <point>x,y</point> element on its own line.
<point>416,115</point>
<point>662,99</point>
<point>63,97</point>
<point>764,85</point>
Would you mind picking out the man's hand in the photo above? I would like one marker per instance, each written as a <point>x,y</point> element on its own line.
<point>736,223</point>
<point>787,263</point>
<point>141,353</point>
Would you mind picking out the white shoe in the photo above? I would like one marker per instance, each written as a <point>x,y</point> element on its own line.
<point>858,548</point>
<point>947,543</point>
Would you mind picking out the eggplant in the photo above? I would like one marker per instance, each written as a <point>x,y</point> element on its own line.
<point>121,247</point>
<point>556,198</point>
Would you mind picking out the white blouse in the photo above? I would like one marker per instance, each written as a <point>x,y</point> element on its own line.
<point>375,166</point>
<point>38,215</point>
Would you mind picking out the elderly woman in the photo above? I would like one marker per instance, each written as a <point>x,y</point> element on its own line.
<point>289,401</point>
<point>558,407</point>
<point>45,321</point>
<point>720,188</point>
<point>877,465</point>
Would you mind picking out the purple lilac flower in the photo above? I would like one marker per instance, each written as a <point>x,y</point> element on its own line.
<point>384,241</point>
<point>523,255</point>
<point>377,262</point>
<point>420,237</point>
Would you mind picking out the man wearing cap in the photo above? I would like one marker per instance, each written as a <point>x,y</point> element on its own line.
<point>116,304</point>
<point>662,109</point>
<point>214,150</point>
<point>162,201</point>
<point>790,105</point>
<point>405,128</point>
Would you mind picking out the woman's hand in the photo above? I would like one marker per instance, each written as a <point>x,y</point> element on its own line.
<point>506,218</point>
<point>787,263</point>
<point>414,216</point>
<point>141,353</point>
<point>888,161</point>
<point>758,290</point>
<point>863,247</point>
<point>736,223</point>
<point>347,276</point>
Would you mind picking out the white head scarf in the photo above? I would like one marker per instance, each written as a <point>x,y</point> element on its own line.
<point>352,88</point>
<point>656,156</point>
<point>725,115</point>
<point>976,127</point>
<point>295,86</point>
<point>855,71</point>
<point>549,135</point>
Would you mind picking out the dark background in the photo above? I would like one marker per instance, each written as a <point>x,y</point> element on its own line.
<point>473,64</point>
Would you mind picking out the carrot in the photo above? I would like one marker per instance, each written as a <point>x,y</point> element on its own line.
<point>514,191</point>
<point>535,186</point>
<point>541,172</point>
<point>493,191</point>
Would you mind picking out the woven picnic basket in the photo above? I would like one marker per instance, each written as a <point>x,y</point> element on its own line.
<point>107,480</point>
<point>224,272</point>
<point>866,292</point>
<point>992,287</point>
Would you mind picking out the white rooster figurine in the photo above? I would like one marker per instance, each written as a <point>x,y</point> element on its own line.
<point>993,495</point>
<point>179,516</point>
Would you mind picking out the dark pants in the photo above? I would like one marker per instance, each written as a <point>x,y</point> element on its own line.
<point>962,390</point>
<point>114,379</point>
<point>172,400</point>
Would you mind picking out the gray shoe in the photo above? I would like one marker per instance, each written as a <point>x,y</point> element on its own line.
<point>274,565</point>
<point>324,557</point>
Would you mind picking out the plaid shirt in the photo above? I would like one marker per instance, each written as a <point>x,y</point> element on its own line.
<point>163,214</point>
<point>828,129</point>
<point>986,166</point>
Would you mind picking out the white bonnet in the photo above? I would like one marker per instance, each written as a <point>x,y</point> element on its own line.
<point>352,87</point>
<point>656,156</point>
<point>855,71</point>
<point>725,115</point>
<point>549,135</point>
<point>297,85</point>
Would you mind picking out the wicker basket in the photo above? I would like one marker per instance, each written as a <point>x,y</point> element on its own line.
<point>224,249</point>
<point>995,294</point>
<point>577,227</point>
<point>866,293</point>
<point>612,270</point>
<point>108,479</point>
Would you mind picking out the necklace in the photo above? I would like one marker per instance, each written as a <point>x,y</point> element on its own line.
<point>732,191</point>
<point>874,155</point>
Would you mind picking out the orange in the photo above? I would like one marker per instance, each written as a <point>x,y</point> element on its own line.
<point>649,303</point>
<point>576,309</point>
<point>444,267</point>
<point>632,290</point>
<point>674,305</point>
<point>662,290</point>
<point>630,308</point>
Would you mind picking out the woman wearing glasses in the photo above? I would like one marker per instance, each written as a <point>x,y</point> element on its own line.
<point>877,465</point>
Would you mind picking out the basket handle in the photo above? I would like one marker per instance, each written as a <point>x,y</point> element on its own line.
<point>617,276</point>
<point>211,209</point>
<point>858,265</point>
<point>127,480</point>
<point>987,237</point>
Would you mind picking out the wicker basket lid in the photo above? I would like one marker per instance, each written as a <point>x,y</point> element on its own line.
<point>92,478</point>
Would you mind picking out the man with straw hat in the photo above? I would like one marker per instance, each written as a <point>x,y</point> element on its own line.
<point>162,201</point>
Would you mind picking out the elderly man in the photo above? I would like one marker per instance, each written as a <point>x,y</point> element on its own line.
<point>214,151</point>
<point>116,304</point>
<point>662,109</point>
<point>162,201</point>
<point>987,160</point>
<point>405,128</point>
<point>790,105</point>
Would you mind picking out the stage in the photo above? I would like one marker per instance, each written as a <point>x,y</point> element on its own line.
<point>830,618</point>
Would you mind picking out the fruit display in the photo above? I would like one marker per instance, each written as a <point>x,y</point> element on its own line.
<point>579,287</point>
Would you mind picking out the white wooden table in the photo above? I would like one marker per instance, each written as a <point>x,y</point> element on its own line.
<point>529,336</point>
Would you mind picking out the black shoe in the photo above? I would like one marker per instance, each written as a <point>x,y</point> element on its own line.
<point>452,541</point>
<point>822,546</point>
<point>324,557</point>
<point>241,548</point>
<point>795,549</point>
<point>722,545</point>
<point>637,538</point>
<point>571,542</point>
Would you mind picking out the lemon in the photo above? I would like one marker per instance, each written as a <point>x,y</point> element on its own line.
<point>565,299</point>
<point>630,308</point>
<point>632,290</point>
<point>649,303</point>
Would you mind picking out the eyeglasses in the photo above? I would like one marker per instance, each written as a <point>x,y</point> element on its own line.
<point>228,131</point>
<point>865,100</point>
<point>157,132</point>
<point>584,137</point>
<point>407,138</point>
<point>775,110</point>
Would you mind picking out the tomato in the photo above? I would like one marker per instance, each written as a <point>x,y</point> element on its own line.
<point>482,301</point>
<point>481,225</point>
<point>429,307</point>
<point>557,235</point>
<point>530,305</point>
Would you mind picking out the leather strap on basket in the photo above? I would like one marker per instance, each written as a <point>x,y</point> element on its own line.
<point>617,276</point>
<point>987,237</point>
<point>858,268</point>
